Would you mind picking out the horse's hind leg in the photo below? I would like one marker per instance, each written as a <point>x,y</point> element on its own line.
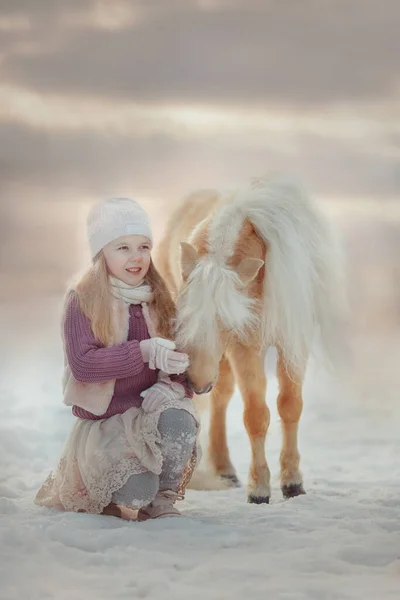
<point>218,447</point>
<point>248,366</point>
<point>290,404</point>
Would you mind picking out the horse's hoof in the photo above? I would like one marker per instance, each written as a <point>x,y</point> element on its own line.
<point>257,499</point>
<point>292,490</point>
<point>231,479</point>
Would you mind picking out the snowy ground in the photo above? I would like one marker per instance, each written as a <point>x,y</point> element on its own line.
<point>341,541</point>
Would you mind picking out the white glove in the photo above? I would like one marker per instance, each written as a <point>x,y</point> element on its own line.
<point>160,354</point>
<point>160,393</point>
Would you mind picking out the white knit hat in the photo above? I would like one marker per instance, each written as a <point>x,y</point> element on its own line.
<point>112,218</point>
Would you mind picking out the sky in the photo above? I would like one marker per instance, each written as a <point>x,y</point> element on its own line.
<point>155,99</point>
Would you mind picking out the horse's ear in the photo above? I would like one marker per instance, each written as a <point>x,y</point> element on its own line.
<point>189,257</point>
<point>248,268</point>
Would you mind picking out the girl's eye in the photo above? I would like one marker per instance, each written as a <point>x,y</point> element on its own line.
<point>145,247</point>
<point>123,248</point>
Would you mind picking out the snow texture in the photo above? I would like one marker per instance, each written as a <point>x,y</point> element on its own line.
<point>341,541</point>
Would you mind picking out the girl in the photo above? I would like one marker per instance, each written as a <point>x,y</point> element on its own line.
<point>136,424</point>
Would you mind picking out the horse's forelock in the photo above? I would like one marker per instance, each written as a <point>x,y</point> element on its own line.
<point>210,300</point>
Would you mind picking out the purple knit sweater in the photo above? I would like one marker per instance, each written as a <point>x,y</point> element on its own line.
<point>91,362</point>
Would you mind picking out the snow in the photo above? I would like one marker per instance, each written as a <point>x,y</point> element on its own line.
<point>340,541</point>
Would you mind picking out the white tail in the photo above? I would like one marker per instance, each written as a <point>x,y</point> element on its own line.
<point>207,480</point>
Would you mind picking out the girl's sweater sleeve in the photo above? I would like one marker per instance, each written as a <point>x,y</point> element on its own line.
<point>91,362</point>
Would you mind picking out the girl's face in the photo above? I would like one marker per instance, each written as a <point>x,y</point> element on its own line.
<point>128,258</point>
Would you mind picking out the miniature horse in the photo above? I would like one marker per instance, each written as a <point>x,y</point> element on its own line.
<point>251,269</point>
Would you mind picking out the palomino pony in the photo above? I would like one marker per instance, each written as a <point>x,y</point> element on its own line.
<point>252,269</point>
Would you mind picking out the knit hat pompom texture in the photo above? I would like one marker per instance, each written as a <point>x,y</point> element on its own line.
<point>113,218</point>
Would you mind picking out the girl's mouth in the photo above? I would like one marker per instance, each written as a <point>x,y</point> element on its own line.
<point>134,270</point>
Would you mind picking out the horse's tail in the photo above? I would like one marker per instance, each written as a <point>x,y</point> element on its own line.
<point>304,294</point>
<point>206,479</point>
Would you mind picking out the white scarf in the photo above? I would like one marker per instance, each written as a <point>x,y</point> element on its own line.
<point>137,294</point>
<point>131,294</point>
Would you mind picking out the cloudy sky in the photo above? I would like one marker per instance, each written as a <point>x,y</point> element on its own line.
<point>154,99</point>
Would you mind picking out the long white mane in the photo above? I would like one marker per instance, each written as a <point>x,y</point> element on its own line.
<point>210,300</point>
<point>303,287</point>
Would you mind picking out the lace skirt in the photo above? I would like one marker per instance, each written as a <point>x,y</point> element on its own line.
<point>100,456</point>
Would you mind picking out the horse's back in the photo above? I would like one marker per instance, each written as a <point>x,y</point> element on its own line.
<point>194,209</point>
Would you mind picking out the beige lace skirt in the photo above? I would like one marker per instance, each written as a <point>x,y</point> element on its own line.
<point>100,456</point>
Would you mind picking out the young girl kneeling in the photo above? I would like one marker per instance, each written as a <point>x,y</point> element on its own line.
<point>134,440</point>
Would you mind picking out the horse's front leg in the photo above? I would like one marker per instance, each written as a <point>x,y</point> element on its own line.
<point>248,366</point>
<point>290,404</point>
<point>218,451</point>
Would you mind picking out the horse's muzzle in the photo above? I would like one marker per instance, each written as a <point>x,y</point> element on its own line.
<point>199,391</point>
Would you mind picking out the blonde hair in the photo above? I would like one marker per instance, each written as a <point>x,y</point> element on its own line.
<point>94,295</point>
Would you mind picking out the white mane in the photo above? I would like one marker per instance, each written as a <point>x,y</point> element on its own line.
<point>303,288</point>
<point>212,298</point>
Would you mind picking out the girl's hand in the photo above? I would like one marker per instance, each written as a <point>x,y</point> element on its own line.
<point>160,393</point>
<point>160,354</point>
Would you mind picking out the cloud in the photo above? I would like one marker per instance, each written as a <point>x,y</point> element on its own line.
<point>154,99</point>
<point>282,53</point>
<point>167,166</point>
<point>349,167</point>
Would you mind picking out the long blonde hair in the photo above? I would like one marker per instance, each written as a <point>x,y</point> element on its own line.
<point>95,297</point>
